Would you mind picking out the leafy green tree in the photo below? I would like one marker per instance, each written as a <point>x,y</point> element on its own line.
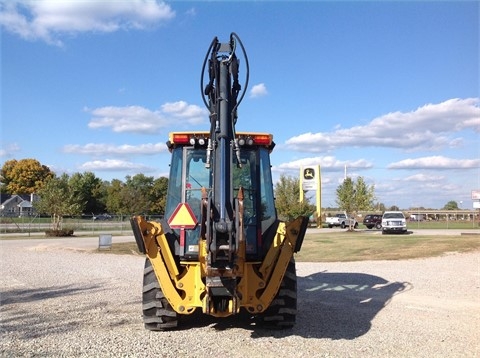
<point>132,197</point>
<point>380,207</point>
<point>114,200</point>
<point>25,176</point>
<point>57,199</point>
<point>355,196</point>
<point>242,176</point>
<point>91,191</point>
<point>159,195</point>
<point>364,195</point>
<point>451,205</point>
<point>133,201</point>
<point>140,181</point>
<point>137,194</point>
<point>287,195</point>
<point>346,195</point>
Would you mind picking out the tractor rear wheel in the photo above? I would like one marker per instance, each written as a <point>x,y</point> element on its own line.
<point>283,310</point>
<point>158,314</point>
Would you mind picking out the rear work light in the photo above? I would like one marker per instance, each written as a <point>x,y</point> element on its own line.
<point>180,138</point>
<point>249,139</point>
<point>201,138</point>
<point>185,138</point>
<point>262,139</point>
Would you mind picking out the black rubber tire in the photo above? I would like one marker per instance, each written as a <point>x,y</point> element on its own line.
<point>342,225</point>
<point>378,226</point>
<point>369,227</point>
<point>355,226</point>
<point>158,314</point>
<point>282,312</point>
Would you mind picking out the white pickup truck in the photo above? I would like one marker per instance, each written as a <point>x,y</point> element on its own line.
<point>341,220</point>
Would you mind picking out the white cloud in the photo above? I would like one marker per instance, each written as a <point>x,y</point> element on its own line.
<point>429,127</point>
<point>127,119</point>
<point>137,119</point>
<point>436,162</point>
<point>327,163</point>
<point>47,20</point>
<point>121,150</point>
<point>259,90</point>
<point>182,110</point>
<point>9,150</point>
<point>424,178</point>
<point>114,165</point>
<point>191,12</point>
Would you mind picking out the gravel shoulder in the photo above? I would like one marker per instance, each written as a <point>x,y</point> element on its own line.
<point>73,303</point>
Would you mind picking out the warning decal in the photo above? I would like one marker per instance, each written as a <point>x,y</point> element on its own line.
<point>183,217</point>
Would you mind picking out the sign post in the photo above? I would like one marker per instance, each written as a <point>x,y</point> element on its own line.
<point>310,179</point>
<point>476,203</point>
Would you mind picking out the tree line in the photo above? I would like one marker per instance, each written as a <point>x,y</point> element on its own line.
<point>85,193</point>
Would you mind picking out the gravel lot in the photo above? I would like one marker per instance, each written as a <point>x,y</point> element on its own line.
<point>72,303</point>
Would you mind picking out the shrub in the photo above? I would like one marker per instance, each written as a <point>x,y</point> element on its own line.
<point>59,233</point>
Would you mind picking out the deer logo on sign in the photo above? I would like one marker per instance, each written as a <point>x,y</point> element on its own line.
<point>308,173</point>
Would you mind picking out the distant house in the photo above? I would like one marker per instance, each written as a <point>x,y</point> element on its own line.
<point>16,205</point>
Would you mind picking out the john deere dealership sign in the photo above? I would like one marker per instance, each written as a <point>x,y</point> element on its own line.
<point>310,178</point>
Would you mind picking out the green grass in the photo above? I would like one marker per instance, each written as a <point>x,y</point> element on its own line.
<point>361,246</point>
<point>346,246</point>
<point>414,225</point>
<point>122,248</point>
<point>461,225</point>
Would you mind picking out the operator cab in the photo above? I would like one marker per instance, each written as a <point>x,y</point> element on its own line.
<point>190,172</point>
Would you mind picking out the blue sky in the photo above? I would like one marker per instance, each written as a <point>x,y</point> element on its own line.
<point>389,90</point>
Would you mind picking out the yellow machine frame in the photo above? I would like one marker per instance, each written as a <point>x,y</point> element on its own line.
<point>185,290</point>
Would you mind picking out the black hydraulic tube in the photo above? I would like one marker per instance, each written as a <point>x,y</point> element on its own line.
<point>224,138</point>
<point>224,93</point>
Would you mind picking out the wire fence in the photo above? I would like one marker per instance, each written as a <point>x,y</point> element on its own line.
<point>120,224</point>
<point>87,224</point>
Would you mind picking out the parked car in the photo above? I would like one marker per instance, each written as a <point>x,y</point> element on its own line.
<point>341,220</point>
<point>394,221</point>
<point>373,221</point>
<point>102,217</point>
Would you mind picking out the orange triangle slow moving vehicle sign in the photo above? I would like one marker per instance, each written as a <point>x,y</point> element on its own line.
<point>183,217</point>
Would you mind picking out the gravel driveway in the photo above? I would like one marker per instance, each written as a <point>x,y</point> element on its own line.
<point>66,303</point>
